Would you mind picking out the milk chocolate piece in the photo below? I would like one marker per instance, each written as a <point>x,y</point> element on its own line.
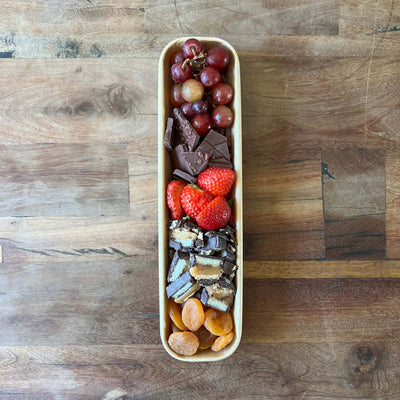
<point>185,129</point>
<point>169,137</point>
<point>182,174</point>
<point>177,158</point>
<point>219,295</point>
<point>216,145</point>
<point>179,265</point>
<point>196,161</point>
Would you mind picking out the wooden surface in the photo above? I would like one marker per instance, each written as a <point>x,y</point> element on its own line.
<point>78,178</point>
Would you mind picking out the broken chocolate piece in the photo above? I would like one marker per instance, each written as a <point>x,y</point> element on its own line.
<point>219,295</point>
<point>196,161</point>
<point>180,285</point>
<point>179,265</point>
<point>205,270</point>
<point>189,293</point>
<point>175,245</point>
<point>183,236</point>
<point>228,135</point>
<point>169,137</point>
<point>227,255</point>
<point>182,174</point>
<point>229,268</point>
<point>177,160</point>
<point>185,129</point>
<point>216,241</point>
<point>216,145</point>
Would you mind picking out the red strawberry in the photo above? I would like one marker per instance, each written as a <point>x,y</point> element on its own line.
<point>174,190</point>
<point>194,200</point>
<point>217,181</point>
<point>216,215</point>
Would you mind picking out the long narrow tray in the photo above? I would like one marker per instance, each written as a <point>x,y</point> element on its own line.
<point>164,176</point>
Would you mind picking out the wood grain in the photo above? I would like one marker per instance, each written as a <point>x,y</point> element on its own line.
<point>334,371</point>
<point>354,203</point>
<point>321,269</point>
<point>79,303</point>
<point>392,205</point>
<point>304,17</point>
<point>72,239</point>
<point>81,101</point>
<point>321,310</point>
<point>64,180</point>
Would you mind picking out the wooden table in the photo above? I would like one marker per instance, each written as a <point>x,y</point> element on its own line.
<point>78,217</point>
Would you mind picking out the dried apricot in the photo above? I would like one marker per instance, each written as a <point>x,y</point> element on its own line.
<point>222,341</point>
<point>174,312</point>
<point>174,328</point>
<point>185,343</point>
<point>217,322</point>
<point>193,314</point>
<point>206,338</point>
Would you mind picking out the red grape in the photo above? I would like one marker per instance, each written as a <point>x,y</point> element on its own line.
<point>222,94</point>
<point>178,57</point>
<point>180,75</point>
<point>189,45</point>
<point>222,116</point>
<point>200,107</point>
<point>202,123</point>
<point>187,109</point>
<point>192,90</point>
<point>175,95</point>
<point>210,77</point>
<point>217,57</point>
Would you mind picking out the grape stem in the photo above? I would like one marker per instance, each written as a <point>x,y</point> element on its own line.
<point>196,57</point>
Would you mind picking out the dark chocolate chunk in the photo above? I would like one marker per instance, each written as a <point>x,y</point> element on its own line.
<point>179,265</point>
<point>216,241</point>
<point>175,245</point>
<point>169,137</point>
<point>182,174</point>
<point>229,268</point>
<point>219,295</point>
<point>175,223</point>
<point>227,255</point>
<point>180,285</point>
<point>186,131</point>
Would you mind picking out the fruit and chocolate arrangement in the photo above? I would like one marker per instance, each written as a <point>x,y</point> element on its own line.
<point>201,229</point>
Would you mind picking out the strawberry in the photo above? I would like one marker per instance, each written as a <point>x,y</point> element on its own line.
<point>174,189</point>
<point>217,181</point>
<point>194,200</point>
<point>216,215</point>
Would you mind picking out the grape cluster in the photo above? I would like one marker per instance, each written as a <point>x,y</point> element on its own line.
<point>199,88</point>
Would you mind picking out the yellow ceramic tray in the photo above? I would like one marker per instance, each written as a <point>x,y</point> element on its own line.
<point>164,176</point>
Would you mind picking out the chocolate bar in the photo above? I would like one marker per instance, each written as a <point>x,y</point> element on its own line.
<point>169,137</point>
<point>185,130</point>
<point>182,174</point>
<point>179,265</point>
<point>219,295</point>
<point>177,160</point>
<point>216,145</point>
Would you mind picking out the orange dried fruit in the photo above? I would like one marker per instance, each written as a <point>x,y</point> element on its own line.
<point>174,328</point>
<point>218,322</point>
<point>185,343</point>
<point>222,341</point>
<point>174,312</point>
<point>193,314</point>
<point>206,338</point>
